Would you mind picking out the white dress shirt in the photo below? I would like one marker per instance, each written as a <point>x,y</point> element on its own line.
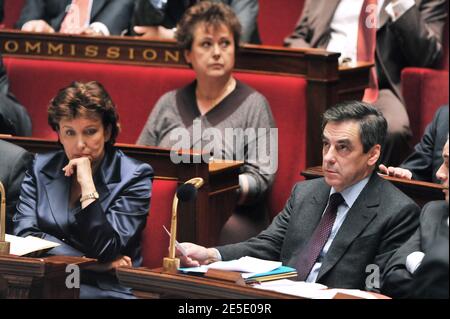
<point>344,25</point>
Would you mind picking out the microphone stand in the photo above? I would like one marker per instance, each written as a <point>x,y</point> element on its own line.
<point>171,263</point>
<point>4,245</point>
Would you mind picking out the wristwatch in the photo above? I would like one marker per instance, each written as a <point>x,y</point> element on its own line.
<point>93,195</point>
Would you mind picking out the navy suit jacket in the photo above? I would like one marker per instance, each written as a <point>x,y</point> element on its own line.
<point>378,223</point>
<point>109,227</point>
<point>14,161</point>
<point>116,15</point>
<point>426,159</point>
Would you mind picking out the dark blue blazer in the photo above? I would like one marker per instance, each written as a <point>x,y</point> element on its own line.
<point>109,227</point>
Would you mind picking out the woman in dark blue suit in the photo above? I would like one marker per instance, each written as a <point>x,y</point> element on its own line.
<point>89,197</point>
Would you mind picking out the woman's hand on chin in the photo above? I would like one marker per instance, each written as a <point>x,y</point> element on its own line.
<point>82,168</point>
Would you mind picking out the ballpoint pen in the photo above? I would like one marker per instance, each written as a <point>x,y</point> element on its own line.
<point>177,244</point>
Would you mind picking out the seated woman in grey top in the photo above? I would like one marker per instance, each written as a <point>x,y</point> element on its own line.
<point>218,114</point>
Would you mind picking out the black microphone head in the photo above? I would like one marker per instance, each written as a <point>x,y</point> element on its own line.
<point>186,192</point>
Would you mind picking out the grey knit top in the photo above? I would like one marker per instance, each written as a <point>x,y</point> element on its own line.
<point>241,127</point>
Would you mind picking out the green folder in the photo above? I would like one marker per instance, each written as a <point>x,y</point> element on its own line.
<point>278,273</point>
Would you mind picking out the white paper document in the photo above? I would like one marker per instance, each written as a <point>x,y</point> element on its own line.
<point>248,265</point>
<point>296,288</point>
<point>310,290</point>
<point>21,246</point>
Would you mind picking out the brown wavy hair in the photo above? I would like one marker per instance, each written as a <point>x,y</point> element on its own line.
<point>212,14</point>
<point>87,100</point>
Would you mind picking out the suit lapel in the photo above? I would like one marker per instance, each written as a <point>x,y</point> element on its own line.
<point>329,10</point>
<point>97,5</point>
<point>57,187</point>
<point>325,14</point>
<point>108,174</point>
<point>358,217</point>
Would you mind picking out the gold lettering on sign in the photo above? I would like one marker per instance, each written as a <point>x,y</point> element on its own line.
<point>131,53</point>
<point>11,46</point>
<point>55,48</point>
<point>113,53</point>
<point>152,57</point>
<point>172,56</point>
<point>91,51</point>
<point>29,47</point>
<point>72,50</point>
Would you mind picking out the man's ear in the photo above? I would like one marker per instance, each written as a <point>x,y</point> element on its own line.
<point>374,155</point>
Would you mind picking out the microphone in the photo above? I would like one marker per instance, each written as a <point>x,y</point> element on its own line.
<point>4,245</point>
<point>185,192</point>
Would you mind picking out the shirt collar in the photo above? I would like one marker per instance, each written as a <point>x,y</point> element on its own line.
<point>351,193</point>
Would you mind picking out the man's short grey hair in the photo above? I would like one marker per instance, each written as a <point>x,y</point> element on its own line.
<point>372,124</point>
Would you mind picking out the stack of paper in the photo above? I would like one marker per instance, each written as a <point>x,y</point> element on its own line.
<point>253,269</point>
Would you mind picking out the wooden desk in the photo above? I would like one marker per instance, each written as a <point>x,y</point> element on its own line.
<point>202,219</point>
<point>153,283</point>
<point>327,82</point>
<point>39,278</point>
<point>420,192</point>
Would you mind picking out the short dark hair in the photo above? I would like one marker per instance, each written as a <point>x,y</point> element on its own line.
<point>84,100</point>
<point>212,14</point>
<point>372,124</point>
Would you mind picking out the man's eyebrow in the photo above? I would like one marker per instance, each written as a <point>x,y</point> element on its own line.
<point>344,141</point>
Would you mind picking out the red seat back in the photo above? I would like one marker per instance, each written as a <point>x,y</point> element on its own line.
<point>155,241</point>
<point>12,9</point>
<point>136,89</point>
<point>277,19</point>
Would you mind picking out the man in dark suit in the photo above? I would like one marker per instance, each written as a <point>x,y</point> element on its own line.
<point>372,220</point>
<point>107,17</point>
<point>153,18</point>
<point>14,161</point>
<point>14,119</point>
<point>409,34</point>
<point>424,162</point>
<point>419,269</point>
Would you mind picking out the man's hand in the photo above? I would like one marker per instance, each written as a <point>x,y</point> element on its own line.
<point>196,255</point>
<point>37,26</point>
<point>157,32</point>
<point>395,171</point>
<point>121,261</point>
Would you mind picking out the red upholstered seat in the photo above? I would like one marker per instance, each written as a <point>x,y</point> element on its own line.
<point>424,91</point>
<point>155,241</point>
<point>135,90</point>
<point>287,99</point>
